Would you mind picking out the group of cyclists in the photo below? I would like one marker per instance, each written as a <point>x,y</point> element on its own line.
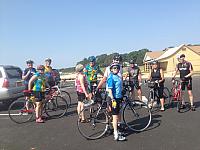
<point>86,84</point>
<point>36,81</point>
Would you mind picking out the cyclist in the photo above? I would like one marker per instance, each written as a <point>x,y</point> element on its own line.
<point>156,74</point>
<point>135,78</point>
<point>39,84</point>
<point>28,73</point>
<point>91,71</point>
<point>48,72</point>
<point>81,89</point>
<point>116,59</point>
<point>114,83</point>
<point>186,70</point>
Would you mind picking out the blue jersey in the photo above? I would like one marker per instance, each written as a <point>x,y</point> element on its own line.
<point>33,71</point>
<point>114,82</point>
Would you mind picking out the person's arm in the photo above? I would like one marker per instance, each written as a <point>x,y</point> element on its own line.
<point>140,76</point>
<point>25,76</point>
<point>110,86</point>
<point>162,76</point>
<point>30,83</point>
<point>191,71</point>
<point>111,94</point>
<point>81,79</point>
<point>103,80</point>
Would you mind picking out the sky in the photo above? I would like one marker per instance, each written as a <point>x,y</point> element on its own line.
<point>69,30</point>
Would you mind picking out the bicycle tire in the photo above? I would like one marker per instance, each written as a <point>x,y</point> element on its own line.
<point>137,116</point>
<point>96,123</point>
<point>67,97</point>
<point>167,97</point>
<point>18,113</point>
<point>56,107</point>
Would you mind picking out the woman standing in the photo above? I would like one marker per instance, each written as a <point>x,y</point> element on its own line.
<point>157,75</point>
<point>81,89</point>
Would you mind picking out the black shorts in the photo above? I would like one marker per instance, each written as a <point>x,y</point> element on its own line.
<point>187,84</point>
<point>81,96</point>
<point>39,96</point>
<point>116,106</point>
<point>160,90</point>
<point>134,84</point>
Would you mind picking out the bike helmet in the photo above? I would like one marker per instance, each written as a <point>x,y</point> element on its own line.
<point>154,62</point>
<point>92,58</point>
<point>79,68</point>
<point>114,64</point>
<point>117,57</point>
<point>40,67</point>
<point>132,61</point>
<point>29,61</point>
<point>48,59</point>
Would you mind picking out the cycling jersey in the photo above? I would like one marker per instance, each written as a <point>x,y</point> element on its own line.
<point>184,69</point>
<point>114,82</point>
<point>133,73</point>
<point>39,83</point>
<point>33,71</point>
<point>78,84</point>
<point>92,72</point>
<point>47,69</point>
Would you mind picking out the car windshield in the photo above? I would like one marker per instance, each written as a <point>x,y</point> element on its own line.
<point>14,73</point>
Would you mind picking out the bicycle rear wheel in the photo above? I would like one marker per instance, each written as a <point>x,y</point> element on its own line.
<point>67,97</point>
<point>21,111</point>
<point>96,122</point>
<point>137,115</point>
<point>56,107</point>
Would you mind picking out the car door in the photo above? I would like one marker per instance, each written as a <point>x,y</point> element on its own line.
<point>14,76</point>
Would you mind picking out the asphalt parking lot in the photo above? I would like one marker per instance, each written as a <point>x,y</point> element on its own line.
<point>169,130</point>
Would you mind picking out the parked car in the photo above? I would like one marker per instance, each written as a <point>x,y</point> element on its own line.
<point>11,83</point>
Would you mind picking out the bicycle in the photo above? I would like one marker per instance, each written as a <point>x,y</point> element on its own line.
<point>136,116</point>
<point>23,109</point>
<point>153,94</point>
<point>177,94</point>
<point>63,94</point>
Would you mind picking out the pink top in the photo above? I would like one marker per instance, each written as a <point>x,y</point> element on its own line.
<point>78,84</point>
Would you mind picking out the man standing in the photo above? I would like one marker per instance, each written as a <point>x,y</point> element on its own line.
<point>135,79</point>
<point>186,70</point>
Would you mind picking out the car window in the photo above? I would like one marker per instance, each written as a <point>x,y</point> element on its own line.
<point>0,74</point>
<point>14,73</point>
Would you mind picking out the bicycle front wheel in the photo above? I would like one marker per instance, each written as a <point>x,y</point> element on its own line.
<point>67,97</point>
<point>21,111</point>
<point>137,115</point>
<point>167,96</point>
<point>95,123</point>
<point>56,107</point>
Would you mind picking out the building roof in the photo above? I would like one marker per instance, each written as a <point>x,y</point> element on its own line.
<point>152,55</point>
<point>195,48</point>
<point>169,52</point>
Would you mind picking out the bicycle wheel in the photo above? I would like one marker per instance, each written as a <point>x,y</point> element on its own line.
<point>96,122</point>
<point>137,115</point>
<point>56,107</point>
<point>18,111</point>
<point>167,97</point>
<point>67,97</point>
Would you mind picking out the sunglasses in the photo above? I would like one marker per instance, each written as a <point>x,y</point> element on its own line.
<point>116,68</point>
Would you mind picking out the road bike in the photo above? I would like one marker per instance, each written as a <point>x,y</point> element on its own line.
<point>23,109</point>
<point>136,116</point>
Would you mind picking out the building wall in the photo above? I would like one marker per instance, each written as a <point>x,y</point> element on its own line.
<point>191,56</point>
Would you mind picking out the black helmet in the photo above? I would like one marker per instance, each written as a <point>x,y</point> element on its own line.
<point>117,57</point>
<point>29,61</point>
<point>92,58</point>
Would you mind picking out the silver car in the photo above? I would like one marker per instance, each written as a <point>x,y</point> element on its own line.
<point>11,84</point>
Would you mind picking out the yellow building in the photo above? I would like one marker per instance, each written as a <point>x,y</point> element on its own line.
<point>168,57</point>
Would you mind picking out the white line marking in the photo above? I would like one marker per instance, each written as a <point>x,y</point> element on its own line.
<point>13,114</point>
